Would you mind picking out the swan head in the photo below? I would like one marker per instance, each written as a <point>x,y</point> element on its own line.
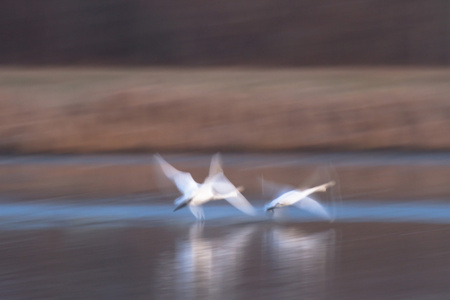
<point>269,208</point>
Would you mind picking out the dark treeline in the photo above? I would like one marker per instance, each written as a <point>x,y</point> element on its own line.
<point>205,32</point>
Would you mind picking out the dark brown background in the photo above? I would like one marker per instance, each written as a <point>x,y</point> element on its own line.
<point>203,32</point>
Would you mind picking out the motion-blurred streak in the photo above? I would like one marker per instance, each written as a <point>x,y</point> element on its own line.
<point>209,267</point>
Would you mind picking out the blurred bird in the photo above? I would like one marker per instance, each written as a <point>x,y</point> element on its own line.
<point>287,195</point>
<point>215,187</point>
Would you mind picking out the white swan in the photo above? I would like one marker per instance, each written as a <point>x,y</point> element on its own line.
<point>299,198</point>
<point>216,186</point>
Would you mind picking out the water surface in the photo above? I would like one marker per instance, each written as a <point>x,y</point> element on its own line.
<point>50,251</point>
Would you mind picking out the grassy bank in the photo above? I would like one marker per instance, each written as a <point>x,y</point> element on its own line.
<point>135,110</point>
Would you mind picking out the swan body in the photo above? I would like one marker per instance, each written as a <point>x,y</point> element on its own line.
<point>301,199</point>
<point>215,187</point>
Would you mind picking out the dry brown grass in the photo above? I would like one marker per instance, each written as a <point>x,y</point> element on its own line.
<point>88,110</point>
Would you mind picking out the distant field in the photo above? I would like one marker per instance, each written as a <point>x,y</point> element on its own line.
<point>134,110</point>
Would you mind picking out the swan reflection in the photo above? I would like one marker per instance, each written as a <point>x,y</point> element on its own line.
<point>209,266</point>
<point>300,261</point>
<point>217,262</point>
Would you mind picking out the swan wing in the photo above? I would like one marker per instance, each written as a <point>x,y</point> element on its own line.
<point>223,188</point>
<point>216,165</point>
<point>314,207</point>
<point>274,189</point>
<point>183,180</point>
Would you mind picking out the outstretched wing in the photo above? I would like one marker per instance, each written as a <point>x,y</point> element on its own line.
<point>312,206</point>
<point>274,189</point>
<point>223,188</point>
<point>317,176</point>
<point>183,180</point>
<point>241,203</point>
<point>216,165</point>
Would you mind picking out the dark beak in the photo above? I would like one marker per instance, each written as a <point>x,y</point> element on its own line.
<point>270,211</point>
<point>180,206</point>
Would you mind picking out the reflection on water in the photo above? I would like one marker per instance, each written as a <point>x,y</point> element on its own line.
<point>261,260</point>
<point>210,267</point>
<point>301,260</point>
<point>216,265</point>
